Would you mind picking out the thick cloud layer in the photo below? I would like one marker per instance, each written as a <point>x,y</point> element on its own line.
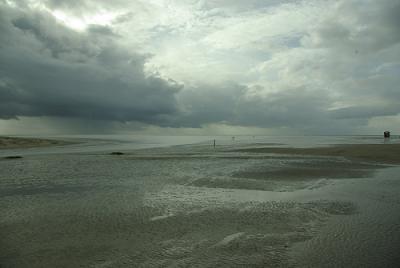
<point>49,70</point>
<point>311,65</point>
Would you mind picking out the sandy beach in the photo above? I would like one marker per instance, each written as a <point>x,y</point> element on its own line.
<point>196,206</point>
<point>379,153</point>
<point>17,142</point>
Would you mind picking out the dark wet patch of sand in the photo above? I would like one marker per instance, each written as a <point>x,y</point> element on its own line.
<point>17,142</point>
<point>11,157</point>
<point>19,190</point>
<point>288,174</point>
<point>311,165</point>
<point>234,183</point>
<point>253,169</point>
<point>318,169</point>
<point>378,153</point>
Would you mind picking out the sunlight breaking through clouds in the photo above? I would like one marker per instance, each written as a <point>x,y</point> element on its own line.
<point>80,24</point>
<point>306,66</point>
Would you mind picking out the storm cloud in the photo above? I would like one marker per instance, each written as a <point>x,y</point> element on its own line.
<point>312,65</point>
<point>49,70</point>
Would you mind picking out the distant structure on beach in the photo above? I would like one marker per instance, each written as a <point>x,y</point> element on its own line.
<point>386,134</point>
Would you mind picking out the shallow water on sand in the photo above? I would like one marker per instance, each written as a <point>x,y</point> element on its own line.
<point>195,206</point>
<point>370,238</point>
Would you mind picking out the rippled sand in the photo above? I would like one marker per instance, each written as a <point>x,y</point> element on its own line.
<point>193,206</point>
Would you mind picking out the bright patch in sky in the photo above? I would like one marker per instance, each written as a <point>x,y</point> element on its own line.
<point>80,24</point>
<point>74,23</point>
<point>312,66</point>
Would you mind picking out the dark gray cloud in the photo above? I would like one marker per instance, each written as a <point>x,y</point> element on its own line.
<point>366,111</point>
<point>333,75</point>
<point>235,104</point>
<point>49,70</point>
<point>362,27</point>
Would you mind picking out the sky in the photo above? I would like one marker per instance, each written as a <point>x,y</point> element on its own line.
<point>256,67</point>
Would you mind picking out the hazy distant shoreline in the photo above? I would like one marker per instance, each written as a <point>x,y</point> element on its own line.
<point>7,142</point>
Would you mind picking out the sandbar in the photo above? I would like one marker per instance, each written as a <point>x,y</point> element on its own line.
<point>377,153</point>
<point>18,142</point>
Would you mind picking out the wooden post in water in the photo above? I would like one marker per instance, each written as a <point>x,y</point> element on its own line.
<point>214,143</point>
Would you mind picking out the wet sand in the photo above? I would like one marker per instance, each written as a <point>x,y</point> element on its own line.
<point>17,142</point>
<point>379,153</point>
<point>193,206</point>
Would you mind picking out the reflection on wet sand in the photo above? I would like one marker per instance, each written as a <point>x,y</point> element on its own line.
<point>379,153</point>
<point>185,206</point>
